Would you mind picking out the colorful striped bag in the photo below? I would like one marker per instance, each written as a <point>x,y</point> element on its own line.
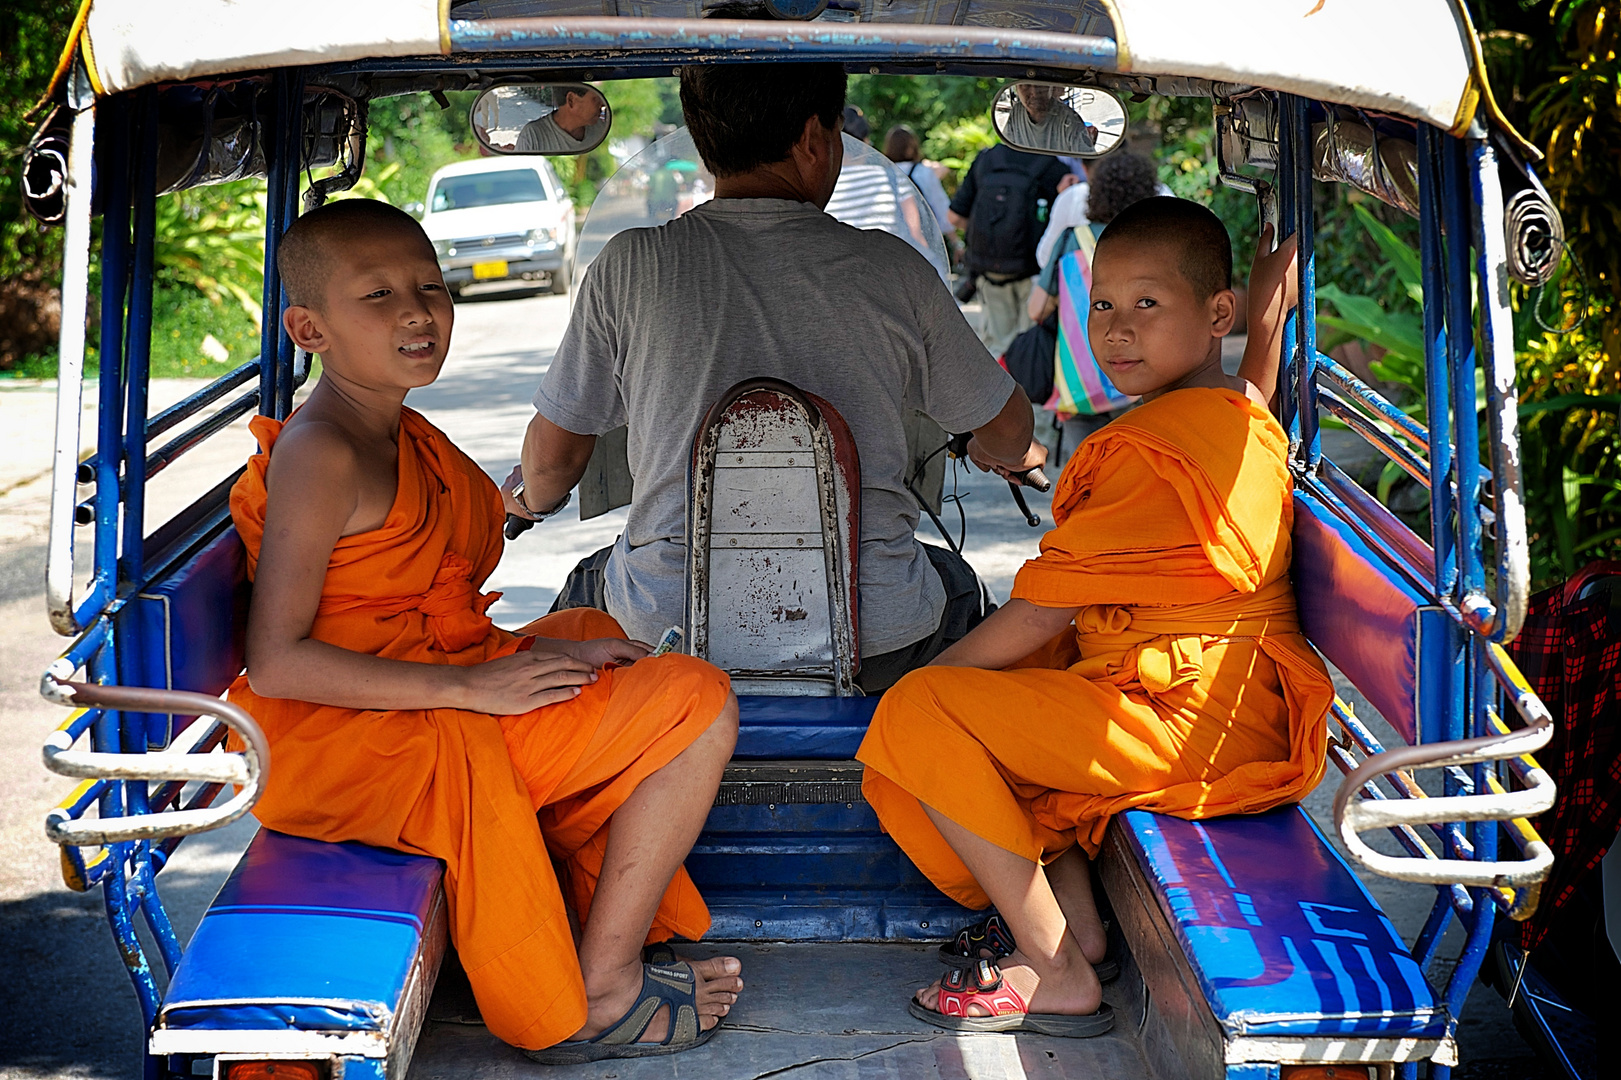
<point>1080,388</point>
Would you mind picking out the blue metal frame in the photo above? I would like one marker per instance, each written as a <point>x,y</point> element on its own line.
<point>1444,452</point>
<point>126,558</point>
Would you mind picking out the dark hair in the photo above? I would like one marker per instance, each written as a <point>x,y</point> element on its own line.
<point>855,123</point>
<point>742,116</point>
<point>304,255</point>
<point>1117,181</point>
<point>901,144</point>
<point>1206,250</point>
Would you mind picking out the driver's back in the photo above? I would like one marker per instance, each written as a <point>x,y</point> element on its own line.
<point>668,318</point>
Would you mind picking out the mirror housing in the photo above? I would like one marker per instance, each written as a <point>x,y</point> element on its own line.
<point>1052,118</point>
<point>541,118</point>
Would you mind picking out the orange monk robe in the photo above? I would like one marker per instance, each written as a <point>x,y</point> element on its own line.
<point>1186,686</point>
<point>466,787</point>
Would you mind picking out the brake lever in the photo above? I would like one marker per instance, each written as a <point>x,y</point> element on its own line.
<point>1030,519</point>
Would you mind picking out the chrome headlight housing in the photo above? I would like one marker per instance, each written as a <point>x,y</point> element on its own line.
<point>442,248</point>
<point>541,237</point>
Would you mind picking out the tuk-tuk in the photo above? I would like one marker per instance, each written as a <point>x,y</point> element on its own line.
<point>1249,947</point>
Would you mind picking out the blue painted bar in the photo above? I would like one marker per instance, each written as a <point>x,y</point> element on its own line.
<point>1311,444</point>
<point>685,42</point>
<point>292,152</point>
<point>1288,194</point>
<point>138,344</point>
<point>1437,387</point>
<point>1461,365</point>
<point>114,178</point>
<point>1345,381</point>
<point>270,298</point>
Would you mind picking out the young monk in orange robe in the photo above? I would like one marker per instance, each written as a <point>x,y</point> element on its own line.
<point>399,715</point>
<point>1150,657</point>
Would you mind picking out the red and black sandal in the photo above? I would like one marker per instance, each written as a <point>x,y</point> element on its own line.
<point>992,934</point>
<point>984,986</point>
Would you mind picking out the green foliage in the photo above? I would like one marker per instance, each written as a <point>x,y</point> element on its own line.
<point>409,137</point>
<point>31,36</point>
<point>951,114</point>
<point>183,318</point>
<point>212,239</point>
<point>639,107</point>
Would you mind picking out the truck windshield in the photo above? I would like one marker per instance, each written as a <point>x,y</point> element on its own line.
<point>488,189</point>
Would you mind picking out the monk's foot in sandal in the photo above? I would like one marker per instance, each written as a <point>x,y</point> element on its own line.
<point>672,1009</point>
<point>719,981</point>
<point>1065,999</point>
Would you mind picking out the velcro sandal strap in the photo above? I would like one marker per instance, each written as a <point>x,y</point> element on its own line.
<point>981,985</point>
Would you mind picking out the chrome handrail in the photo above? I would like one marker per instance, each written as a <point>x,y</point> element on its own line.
<point>247,770</point>
<point>1354,816</point>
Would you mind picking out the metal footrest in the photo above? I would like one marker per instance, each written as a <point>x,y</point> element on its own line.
<point>777,783</point>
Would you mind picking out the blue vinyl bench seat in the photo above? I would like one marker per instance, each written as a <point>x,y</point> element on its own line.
<point>825,728</point>
<point>310,947</point>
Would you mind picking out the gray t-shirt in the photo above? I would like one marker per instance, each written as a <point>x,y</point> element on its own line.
<point>543,136</point>
<point>667,319</point>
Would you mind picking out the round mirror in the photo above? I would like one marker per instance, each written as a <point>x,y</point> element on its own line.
<point>541,118</point>
<point>1049,118</point>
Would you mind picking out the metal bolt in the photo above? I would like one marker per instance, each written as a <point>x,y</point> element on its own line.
<point>790,461</point>
<point>800,540</point>
<point>1029,73</point>
<point>740,459</point>
<point>925,924</point>
<point>758,924</point>
<point>873,70</point>
<point>771,806</point>
<point>734,541</point>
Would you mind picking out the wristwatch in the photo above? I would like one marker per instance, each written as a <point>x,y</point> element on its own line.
<point>540,515</point>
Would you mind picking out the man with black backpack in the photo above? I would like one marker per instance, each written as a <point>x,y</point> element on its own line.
<point>1002,209</point>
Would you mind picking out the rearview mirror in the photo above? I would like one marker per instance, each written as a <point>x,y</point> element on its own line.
<point>541,118</point>
<point>1049,118</point>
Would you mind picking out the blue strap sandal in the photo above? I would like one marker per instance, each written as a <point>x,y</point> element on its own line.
<point>674,985</point>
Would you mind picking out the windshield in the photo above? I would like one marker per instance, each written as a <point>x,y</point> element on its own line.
<point>487,189</point>
<point>668,178</point>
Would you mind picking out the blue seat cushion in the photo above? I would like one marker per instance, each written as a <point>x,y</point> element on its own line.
<point>1281,935</point>
<point>306,935</point>
<point>820,728</point>
<point>188,631</point>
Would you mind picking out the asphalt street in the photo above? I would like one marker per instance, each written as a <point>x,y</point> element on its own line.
<point>66,1007</point>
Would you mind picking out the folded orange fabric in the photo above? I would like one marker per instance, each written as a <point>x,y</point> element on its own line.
<point>1186,686</point>
<point>461,786</point>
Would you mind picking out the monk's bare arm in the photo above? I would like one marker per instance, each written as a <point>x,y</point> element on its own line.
<point>1008,635</point>
<point>1273,293</point>
<point>553,462</point>
<point>314,487</point>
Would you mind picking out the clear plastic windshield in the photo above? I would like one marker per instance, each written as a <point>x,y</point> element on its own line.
<point>668,178</point>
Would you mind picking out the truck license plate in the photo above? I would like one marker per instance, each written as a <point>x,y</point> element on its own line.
<point>484,270</point>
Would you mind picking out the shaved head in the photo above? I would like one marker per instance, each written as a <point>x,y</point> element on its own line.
<point>305,255</point>
<point>1205,252</point>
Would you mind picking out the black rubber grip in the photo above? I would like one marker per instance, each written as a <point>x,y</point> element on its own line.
<point>517,526</point>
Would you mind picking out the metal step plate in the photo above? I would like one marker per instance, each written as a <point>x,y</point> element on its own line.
<point>790,783</point>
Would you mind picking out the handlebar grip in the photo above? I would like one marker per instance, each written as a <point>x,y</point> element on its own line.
<point>517,526</point>
<point>1035,478</point>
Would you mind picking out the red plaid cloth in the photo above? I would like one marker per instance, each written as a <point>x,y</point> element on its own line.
<point>1570,652</point>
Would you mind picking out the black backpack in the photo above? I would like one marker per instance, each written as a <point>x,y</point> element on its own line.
<point>1002,225</point>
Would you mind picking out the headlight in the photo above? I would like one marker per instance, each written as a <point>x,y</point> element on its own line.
<point>540,236</point>
<point>442,248</point>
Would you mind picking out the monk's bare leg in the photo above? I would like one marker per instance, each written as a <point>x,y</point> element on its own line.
<point>1070,876</point>
<point>1048,968</point>
<point>648,840</point>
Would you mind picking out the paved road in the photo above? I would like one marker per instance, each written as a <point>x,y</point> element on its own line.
<point>66,1009</point>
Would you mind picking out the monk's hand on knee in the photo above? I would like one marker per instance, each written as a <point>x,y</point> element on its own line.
<point>524,681</point>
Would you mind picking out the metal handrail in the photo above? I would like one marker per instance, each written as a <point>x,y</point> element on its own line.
<point>247,770</point>
<point>1353,816</point>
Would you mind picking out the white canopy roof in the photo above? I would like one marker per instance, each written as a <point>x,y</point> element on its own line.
<point>1415,58</point>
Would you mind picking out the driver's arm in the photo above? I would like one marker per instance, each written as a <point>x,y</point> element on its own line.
<point>553,462</point>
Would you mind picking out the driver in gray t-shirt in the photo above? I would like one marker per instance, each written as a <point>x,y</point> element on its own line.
<point>761,282</point>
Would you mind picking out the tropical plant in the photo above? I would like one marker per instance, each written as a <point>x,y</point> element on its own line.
<point>212,239</point>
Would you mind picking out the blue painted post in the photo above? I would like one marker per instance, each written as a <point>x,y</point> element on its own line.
<point>113,176</point>
<point>1437,388</point>
<point>1461,361</point>
<point>1288,180</point>
<point>138,343</point>
<point>292,150</point>
<point>1306,420</point>
<point>270,298</point>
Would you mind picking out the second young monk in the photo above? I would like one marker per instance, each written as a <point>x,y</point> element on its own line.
<point>1150,657</point>
<point>400,716</point>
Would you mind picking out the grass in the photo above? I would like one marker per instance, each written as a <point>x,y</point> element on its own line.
<point>182,321</point>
